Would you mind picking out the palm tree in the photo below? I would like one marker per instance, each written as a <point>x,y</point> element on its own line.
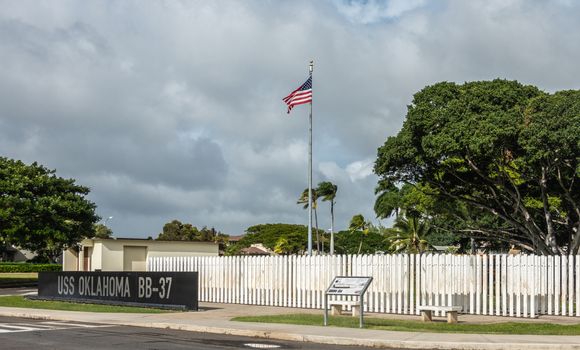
<point>304,200</point>
<point>282,246</point>
<point>358,223</point>
<point>327,191</point>
<point>391,199</point>
<point>408,235</point>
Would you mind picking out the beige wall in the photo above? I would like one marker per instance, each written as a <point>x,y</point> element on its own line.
<point>161,248</point>
<point>70,260</point>
<point>97,257</point>
<point>107,254</point>
<point>112,255</point>
<point>134,258</point>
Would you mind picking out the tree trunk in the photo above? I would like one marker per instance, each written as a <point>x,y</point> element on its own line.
<point>332,227</point>
<point>574,227</point>
<point>530,227</point>
<point>551,235</point>
<point>317,233</point>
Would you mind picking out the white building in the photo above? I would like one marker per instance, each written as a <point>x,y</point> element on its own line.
<point>129,254</point>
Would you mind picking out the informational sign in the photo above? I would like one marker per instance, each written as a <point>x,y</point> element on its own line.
<point>349,285</point>
<point>174,289</point>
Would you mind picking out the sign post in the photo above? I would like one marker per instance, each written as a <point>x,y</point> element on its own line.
<point>347,286</point>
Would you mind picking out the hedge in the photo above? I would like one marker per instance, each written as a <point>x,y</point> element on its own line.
<point>25,267</point>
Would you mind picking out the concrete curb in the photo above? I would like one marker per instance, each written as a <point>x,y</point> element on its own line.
<point>373,343</point>
<point>321,339</point>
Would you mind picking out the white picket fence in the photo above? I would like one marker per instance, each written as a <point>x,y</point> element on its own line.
<point>506,285</point>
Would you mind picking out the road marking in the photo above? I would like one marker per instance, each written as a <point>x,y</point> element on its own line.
<point>71,324</point>
<point>17,327</point>
<point>261,346</point>
<point>28,325</point>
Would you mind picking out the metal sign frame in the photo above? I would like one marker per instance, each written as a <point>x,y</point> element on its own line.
<point>358,287</point>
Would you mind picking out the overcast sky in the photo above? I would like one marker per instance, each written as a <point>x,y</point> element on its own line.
<point>173,109</point>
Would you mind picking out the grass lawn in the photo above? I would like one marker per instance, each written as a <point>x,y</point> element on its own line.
<point>419,326</point>
<point>18,276</point>
<point>20,301</point>
<point>10,278</point>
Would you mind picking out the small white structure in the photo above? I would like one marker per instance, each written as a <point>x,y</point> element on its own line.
<point>129,254</point>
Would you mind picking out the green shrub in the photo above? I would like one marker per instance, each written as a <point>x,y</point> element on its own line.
<point>25,267</point>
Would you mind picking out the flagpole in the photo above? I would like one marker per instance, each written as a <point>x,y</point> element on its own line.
<point>310,68</point>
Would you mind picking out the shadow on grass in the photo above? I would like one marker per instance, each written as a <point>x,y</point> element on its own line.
<point>23,302</point>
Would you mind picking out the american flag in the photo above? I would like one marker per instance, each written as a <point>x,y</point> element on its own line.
<point>300,96</point>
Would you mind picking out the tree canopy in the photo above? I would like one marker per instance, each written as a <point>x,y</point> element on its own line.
<point>175,230</point>
<point>408,235</point>
<point>498,157</point>
<point>358,223</point>
<point>292,239</point>
<point>358,242</point>
<point>281,238</point>
<point>40,211</point>
<point>102,231</point>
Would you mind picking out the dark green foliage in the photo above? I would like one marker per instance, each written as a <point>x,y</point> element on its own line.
<point>417,201</point>
<point>358,223</point>
<point>270,236</point>
<point>22,267</point>
<point>499,160</point>
<point>40,211</point>
<point>443,238</point>
<point>348,242</point>
<point>102,231</point>
<point>327,191</point>
<point>408,235</point>
<point>178,231</point>
<point>411,199</point>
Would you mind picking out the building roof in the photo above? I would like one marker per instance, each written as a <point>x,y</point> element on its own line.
<point>254,251</point>
<point>235,238</point>
<point>144,241</point>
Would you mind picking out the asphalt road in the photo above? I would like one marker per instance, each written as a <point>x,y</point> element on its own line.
<point>26,334</point>
<point>19,291</point>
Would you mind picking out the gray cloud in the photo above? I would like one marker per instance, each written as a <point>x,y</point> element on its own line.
<point>172,110</point>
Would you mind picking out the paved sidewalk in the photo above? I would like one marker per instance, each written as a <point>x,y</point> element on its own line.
<point>215,318</point>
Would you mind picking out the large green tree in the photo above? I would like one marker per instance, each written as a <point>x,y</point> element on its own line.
<point>503,156</point>
<point>281,238</point>
<point>175,230</point>
<point>102,231</point>
<point>40,211</point>
<point>416,201</point>
<point>349,242</point>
